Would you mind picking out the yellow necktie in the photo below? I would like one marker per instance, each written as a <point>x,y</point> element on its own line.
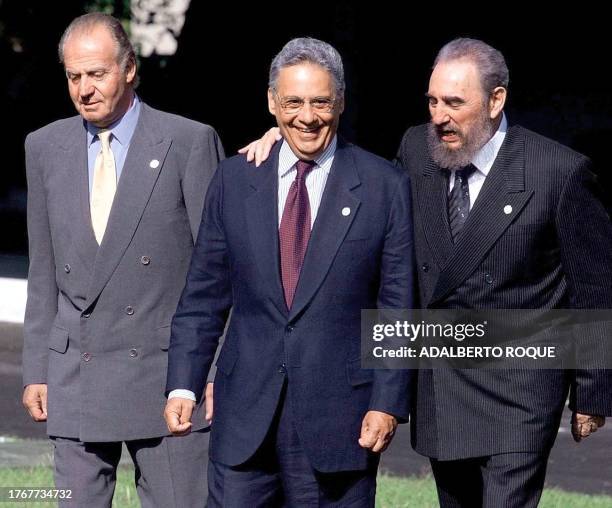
<point>104,186</point>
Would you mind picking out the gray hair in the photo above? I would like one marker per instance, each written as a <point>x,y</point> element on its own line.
<point>489,61</point>
<point>308,50</point>
<point>88,22</point>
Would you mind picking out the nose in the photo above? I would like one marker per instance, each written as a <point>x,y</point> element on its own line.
<point>439,115</point>
<point>86,88</point>
<point>306,114</point>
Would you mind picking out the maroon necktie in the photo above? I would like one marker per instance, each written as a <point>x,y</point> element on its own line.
<point>294,231</point>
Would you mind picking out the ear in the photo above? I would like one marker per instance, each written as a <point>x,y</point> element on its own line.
<point>271,102</point>
<point>130,71</point>
<point>497,100</point>
<point>340,104</point>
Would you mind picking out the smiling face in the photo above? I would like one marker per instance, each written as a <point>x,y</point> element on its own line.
<point>463,116</point>
<point>99,86</point>
<point>310,130</point>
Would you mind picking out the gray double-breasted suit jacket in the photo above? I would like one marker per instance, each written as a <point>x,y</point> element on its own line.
<point>98,318</point>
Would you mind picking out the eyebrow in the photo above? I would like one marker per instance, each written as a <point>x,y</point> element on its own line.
<point>87,71</point>
<point>446,98</point>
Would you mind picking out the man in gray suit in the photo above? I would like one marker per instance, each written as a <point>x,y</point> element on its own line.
<point>114,203</point>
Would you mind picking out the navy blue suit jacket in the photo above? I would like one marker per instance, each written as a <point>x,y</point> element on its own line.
<point>357,261</point>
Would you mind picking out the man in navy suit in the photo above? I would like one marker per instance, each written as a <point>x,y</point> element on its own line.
<point>296,248</point>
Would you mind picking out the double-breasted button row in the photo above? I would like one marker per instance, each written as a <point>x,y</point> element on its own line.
<point>88,356</point>
<point>145,260</point>
<point>129,310</point>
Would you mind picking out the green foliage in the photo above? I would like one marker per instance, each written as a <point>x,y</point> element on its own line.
<point>118,8</point>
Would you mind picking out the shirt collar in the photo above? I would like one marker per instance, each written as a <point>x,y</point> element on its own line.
<point>484,158</point>
<point>287,159</point>
<point>122,129</point>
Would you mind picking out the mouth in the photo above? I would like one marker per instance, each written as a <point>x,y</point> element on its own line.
<point>308,130</point>
<point>448,135</point>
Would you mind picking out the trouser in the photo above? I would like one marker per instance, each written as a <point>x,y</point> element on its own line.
<point>507,480</point>
<point>170,472</point>
<point>280,475</point>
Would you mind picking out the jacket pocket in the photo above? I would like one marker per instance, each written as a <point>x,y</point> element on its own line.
<point>58,340</point>
<point>163,337</point>
<point>227,359</point>
<point>356,375</point>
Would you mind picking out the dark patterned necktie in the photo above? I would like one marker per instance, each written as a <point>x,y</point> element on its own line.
<point>294,231</point>
<point>459,201</point>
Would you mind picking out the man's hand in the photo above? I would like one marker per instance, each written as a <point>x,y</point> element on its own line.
<point>35,401</point>
<point>377,430</point>
<point>260,149</point>
<point>584,425</point>
<point>209,402</point>
<point>178,415</point>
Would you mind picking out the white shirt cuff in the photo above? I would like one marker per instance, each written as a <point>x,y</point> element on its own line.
<point>183,394</point>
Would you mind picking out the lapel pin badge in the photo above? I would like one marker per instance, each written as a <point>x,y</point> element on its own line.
<point>154,164</point>
<point>507,209</point>
<point>346,211</point>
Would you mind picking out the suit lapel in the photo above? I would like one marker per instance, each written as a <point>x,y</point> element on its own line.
<point>262,221</point>
<point>133,191</point>
<point>74,143</point>
<point>499,202</point>
<point>330,226</point>
<point>432,192</point>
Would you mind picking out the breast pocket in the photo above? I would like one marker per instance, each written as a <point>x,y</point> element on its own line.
<point>525,229</point>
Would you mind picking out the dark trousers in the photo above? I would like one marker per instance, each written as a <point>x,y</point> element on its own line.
<point>507,480</point>
<point>280,475</point>
<point>170,472</point>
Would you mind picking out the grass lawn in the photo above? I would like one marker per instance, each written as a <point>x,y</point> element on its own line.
<point>125,493</point>
<point>393,492</point>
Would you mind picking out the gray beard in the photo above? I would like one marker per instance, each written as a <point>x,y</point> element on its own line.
<point>455,159</point>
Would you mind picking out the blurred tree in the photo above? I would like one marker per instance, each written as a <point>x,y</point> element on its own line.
<point>118,8</point>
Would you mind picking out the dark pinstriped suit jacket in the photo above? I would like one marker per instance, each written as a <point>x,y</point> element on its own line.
<point>553,251</point>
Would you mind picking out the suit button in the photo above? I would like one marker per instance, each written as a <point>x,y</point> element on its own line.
<point>86,357</point>
<point>425,267</point>
<point>488,278</point>
<point>289,328</point>
<point>133,353</point>
<point>67,268</point>
<point>129,310</point>
<point>86,315</point>
<point>145,260</point>
<point>282,369</point>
